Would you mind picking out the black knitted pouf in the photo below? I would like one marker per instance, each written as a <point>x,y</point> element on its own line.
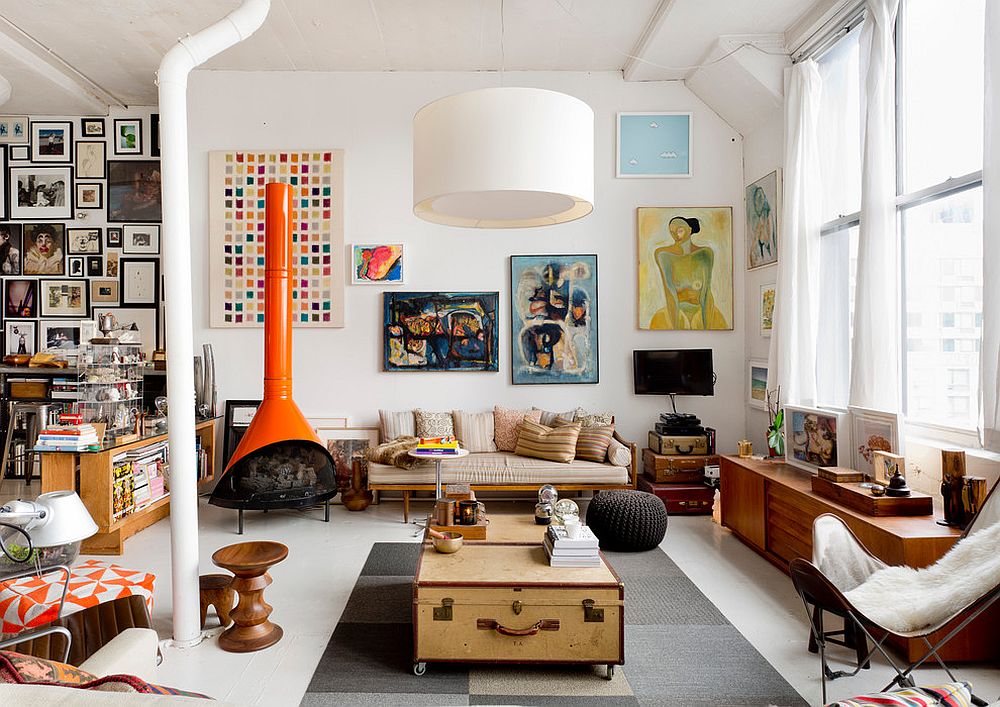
<point>629,521</point>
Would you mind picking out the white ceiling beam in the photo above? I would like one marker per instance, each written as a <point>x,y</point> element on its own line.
<point>649,32</point>
<point>26,49</point>
<point>812,21</point>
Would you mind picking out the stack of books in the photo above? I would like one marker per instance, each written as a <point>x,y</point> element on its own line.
<point>437,445</point>
<point>564,551</point>
<point>67,438</point>
<point>139,478</point>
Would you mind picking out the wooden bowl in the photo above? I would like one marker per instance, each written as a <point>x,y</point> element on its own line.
<point>451,542</point>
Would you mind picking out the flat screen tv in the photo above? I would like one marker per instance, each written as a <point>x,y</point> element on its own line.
<point>673,372</point>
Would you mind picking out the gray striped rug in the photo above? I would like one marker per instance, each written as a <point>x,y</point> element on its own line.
<point>679,650</point>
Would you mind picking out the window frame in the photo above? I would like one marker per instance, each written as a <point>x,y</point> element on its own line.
<point>906,200</point>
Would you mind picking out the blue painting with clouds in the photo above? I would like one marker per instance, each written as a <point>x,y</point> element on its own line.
<point>654,144</point>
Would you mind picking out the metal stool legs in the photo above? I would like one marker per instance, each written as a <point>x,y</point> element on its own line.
<point>36,416</point>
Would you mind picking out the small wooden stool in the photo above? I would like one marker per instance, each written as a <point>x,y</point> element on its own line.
<point>251,629</point>
<point>216,590</point>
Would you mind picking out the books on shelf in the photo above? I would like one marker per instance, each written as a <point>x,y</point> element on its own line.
<point>139,478</point>
<point>564,551</point>
<point>67,438</point>
<point>437,445</point>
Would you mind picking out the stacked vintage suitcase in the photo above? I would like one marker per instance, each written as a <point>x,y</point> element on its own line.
<point>674,464</point>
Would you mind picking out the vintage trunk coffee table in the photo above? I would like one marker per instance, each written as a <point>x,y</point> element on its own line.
<point>503,603</point>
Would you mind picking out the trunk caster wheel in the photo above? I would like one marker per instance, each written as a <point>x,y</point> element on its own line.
<point>610,673</point>
<point>419,669</point>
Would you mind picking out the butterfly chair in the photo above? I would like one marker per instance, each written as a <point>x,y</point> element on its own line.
<point>845,579</point>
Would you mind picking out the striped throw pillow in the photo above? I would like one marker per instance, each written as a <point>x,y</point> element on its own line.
<point>396,424</point>
<point>556,444</point>
<point>505,424</point>
<point>592,444</point>
<point>433,424</point>
<point>474,430</point>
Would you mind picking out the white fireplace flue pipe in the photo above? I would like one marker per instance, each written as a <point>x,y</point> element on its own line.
<point>171,78</point>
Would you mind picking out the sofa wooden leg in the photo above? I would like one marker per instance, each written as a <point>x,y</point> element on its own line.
<point>406,506</point>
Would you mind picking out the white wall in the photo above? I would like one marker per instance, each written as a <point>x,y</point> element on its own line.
<point>338,371</point>
<point>762,154</point>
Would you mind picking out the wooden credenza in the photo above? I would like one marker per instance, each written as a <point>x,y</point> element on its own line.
<point>771,506</point>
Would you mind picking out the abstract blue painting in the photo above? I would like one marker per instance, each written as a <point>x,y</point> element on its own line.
<point>654,145</point>
<point>553,316</point>
<point>440,331</point>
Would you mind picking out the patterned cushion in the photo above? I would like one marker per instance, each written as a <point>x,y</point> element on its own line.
<point>505,424</point>
<point>474,430</point>
<point>592,444</point>
<point>952,694</point>
<point>395,453</point>
<point>395,424</point>
<point>433,424</point>
<point>19,669</point>
<point>619,454</point>
<point>557,444</point>
<point>593,419</point>
<point>549,418</point>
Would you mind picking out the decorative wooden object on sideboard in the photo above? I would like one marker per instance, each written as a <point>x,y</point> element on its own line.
<point>771,506</point>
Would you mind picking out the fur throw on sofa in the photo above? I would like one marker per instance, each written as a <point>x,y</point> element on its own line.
<point>903,599</point>
<point>394,453</point>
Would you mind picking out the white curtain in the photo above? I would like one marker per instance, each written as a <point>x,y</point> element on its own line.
<point>990,352</point>
<point>792,358</point>
<point>875,351</point>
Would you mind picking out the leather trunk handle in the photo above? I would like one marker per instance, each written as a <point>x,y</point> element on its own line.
<point>494,625</point>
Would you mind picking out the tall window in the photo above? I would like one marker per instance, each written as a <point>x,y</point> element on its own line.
<point>939,204</point>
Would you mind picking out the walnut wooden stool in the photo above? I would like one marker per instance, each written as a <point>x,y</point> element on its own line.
<point>251,630</point>
<point>216,590</point>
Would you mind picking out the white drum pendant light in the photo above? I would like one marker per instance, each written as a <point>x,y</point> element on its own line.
<point>503,158</point>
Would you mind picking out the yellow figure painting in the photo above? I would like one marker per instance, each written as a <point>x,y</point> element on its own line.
<point>685,268</point>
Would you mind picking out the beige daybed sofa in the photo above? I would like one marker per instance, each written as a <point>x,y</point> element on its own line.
<point>504,471</point>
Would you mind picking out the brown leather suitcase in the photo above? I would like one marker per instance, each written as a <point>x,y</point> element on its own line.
<point>682,499</point>
<point>675,469</point>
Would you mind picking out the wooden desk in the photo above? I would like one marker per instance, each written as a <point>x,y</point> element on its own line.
<point>94,483</point>
<point>771,506</point>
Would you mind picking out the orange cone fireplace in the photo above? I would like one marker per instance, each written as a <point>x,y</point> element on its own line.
<point>280,462</point>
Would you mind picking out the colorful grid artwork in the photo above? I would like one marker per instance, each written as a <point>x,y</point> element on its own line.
<point>236,193</point>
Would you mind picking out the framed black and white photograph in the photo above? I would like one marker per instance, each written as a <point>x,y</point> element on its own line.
<point>91,159</point>
<point>134,191</point>
<point>19,338</point>
<point>3,182</point>
<point>141,240</point>
<point>95,266</point>
<point>111,263</point>
<point>89,196</point>
<point>14,130</point>
<point>40,193</point>
<point>239,415</point>
<point>65,298</point>
<point>10,249</point>
<point>103,292</point>
<point>154,135</point>
<point>128,136</point>
<point>141,325</point>
<point>20,299</point>
<point>20,153</point>
<point>44,248</point>
<point>51,141</point>
<point>92,127</point>
<point>76,266</point>
<point>84,241</point>
<point>140,282</point>
<point>114,237</point>
<point>59,334</point>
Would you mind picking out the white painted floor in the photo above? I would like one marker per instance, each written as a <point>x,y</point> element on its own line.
<point>312,586</point>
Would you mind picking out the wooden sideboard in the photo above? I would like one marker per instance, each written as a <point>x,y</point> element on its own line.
<point>771,506</point>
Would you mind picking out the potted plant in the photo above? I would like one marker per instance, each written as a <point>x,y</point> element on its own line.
<point>775,430</point>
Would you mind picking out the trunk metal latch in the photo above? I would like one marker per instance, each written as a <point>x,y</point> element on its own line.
<point>592,614</point>
<point>444,612</point>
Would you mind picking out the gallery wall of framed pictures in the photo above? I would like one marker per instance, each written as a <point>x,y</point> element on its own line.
<point>80,214</point>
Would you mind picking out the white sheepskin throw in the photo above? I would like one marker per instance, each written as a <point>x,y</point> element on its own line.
<point>903,599</point>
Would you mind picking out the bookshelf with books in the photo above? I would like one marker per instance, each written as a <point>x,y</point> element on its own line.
<point>126,487</point>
